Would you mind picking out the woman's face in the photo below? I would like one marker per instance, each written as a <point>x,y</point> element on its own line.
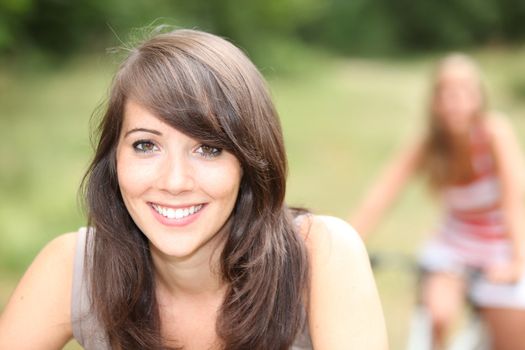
<point>178,191</point>
<point>457,98</point>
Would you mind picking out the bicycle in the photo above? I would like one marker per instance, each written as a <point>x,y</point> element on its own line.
<point>471,336</point>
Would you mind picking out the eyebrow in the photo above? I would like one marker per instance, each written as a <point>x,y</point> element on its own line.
<point>143,130</point>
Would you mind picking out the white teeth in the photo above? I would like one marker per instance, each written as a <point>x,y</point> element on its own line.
<point>178,213</point>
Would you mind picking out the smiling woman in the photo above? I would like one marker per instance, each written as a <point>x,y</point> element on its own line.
<point>189,242</point>
<point>179,192</point>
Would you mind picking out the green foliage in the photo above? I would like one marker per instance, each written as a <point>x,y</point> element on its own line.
<point>359,26</point>
<point>450,23</point>
<point>386,26</point>
<point>60,27</point>
<point>10,12</point>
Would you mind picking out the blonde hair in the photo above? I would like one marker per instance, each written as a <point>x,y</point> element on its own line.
<point>444,161</point>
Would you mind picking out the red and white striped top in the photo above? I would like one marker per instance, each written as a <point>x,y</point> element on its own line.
<point>474,225</point>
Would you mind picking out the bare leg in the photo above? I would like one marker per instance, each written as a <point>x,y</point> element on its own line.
<point>443,295</point>
<point>506,326</point>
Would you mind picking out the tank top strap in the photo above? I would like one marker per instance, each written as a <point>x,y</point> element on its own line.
<point>77,296</point>
<point>86,327</point>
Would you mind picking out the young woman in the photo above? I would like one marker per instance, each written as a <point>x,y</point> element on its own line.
<point>474,165</point>
<point>189,243</point>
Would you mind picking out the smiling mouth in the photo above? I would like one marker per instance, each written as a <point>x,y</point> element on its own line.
<point>179,213</point>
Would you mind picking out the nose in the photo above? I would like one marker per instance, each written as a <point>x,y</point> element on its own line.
<point>176,174</point>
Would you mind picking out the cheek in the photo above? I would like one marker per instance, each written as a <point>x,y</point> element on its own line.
<point>458,100</point>
<point>133,177</point>
<point>475,101</point>
<point>221,182</point>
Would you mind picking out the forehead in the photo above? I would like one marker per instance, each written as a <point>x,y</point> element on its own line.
<point>134,113</point>
<point>458,74</point>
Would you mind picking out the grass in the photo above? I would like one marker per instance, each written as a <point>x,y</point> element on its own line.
<point>342,118</point>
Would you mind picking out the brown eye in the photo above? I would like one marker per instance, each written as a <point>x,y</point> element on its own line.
<point>144,146</point>
<point>208,151</point>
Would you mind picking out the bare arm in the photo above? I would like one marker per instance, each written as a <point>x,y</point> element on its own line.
<point>386,188</point>
<point>344,307</point>
<point>511,171</point>
<point>38,314</point>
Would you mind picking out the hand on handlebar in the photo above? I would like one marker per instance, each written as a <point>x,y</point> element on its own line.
<point>509,272</point>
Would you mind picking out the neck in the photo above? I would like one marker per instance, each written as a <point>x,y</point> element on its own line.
<point>195,275</point>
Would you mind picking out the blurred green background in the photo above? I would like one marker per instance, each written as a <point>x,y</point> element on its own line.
<point>350,80</point>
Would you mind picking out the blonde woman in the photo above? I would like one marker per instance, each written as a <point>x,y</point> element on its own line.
<point>473,163</point>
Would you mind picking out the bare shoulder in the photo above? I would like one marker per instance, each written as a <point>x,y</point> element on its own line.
<point>344,307</point>
<point>37,315</point>
<point>334,247</point>
<point>57,256</point>
<point>59,249</point>
<point>497,125</point>
<point>504,140</point>
<point>327,235</point>
<point>65,243</point>
<point>507,151</point>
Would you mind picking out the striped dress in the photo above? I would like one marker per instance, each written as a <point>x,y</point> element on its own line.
<point>474,226</point>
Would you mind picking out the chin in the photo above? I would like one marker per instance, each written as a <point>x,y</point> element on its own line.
<point>173,250</point>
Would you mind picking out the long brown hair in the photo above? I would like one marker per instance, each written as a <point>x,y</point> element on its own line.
<point>207,88</point>
<point>446,159</point>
